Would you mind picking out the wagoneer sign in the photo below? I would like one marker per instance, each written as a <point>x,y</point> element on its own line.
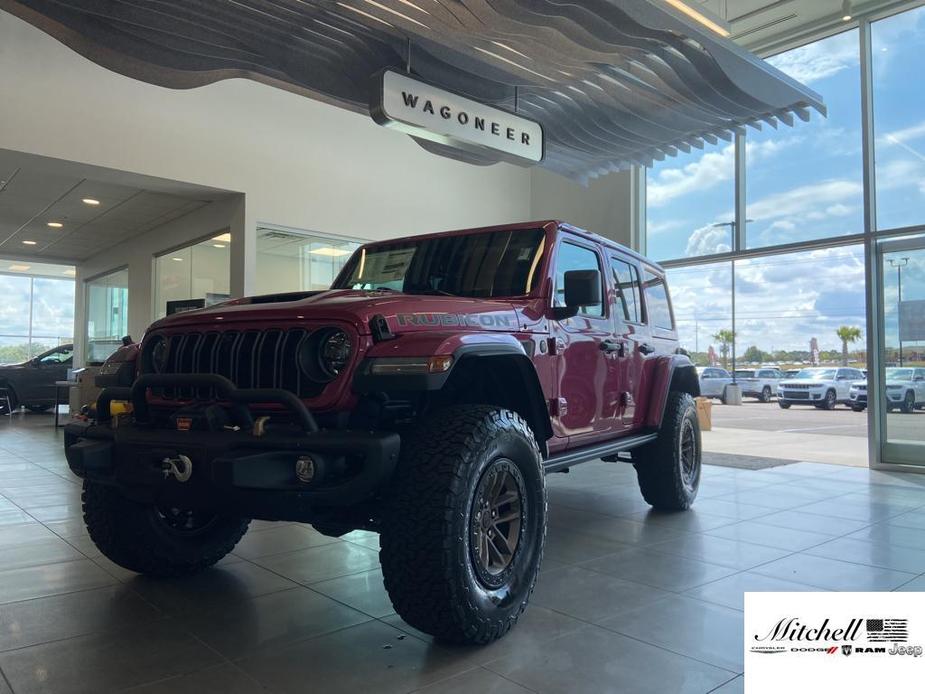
<point>431,113</point>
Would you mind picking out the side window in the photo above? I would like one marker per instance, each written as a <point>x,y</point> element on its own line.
<point>59,356</point>
<point>658,306</point>
<point>626,282</point>
<point>572,257</point>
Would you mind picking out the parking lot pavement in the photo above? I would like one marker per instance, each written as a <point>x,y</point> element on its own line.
<point>802,433</point>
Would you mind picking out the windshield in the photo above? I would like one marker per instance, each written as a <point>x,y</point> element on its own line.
<point>817,374</point>
<point>485,264</point>
<point>899,374</point>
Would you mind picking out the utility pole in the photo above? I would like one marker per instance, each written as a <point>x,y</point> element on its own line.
<point>899,265</point>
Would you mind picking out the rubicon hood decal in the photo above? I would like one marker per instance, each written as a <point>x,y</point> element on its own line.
<point>455,320</point>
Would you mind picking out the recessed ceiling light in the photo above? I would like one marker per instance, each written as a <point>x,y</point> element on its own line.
<point>218,245</point>
<point>846,11</point>
<point>179,260</point>
<point>330,251</point>
<point>30,243</point>
<point>19,268</point>
<point>90,201</point>
<point>223,238</point>
<point>55,225</point>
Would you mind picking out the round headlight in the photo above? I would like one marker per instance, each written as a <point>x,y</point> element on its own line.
<point>156,352</point>
<point>335,352</point>
<point>325,354</point>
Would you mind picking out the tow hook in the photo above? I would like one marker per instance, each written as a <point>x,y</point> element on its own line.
<point>180,467</point>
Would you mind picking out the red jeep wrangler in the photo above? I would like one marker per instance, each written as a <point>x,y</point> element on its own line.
<point>424,396</point>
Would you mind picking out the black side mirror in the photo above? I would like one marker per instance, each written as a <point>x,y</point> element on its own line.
<point>582,288</point>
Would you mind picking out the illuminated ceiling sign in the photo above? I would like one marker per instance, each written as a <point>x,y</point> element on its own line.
<point>434,114</point>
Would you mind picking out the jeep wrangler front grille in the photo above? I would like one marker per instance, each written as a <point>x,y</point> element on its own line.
<point>248,358</point>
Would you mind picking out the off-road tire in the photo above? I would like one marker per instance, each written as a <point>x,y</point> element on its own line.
<point>663,479</point>
<point>428,562</point>
<point>134,536</point>
<point>783,405</point>
<point>765,394</point>
<point>908,406</point>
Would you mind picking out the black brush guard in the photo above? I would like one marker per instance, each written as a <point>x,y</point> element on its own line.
<point>232,471</point>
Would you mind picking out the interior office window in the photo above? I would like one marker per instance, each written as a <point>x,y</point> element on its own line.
<point>898,45</point>
<point>806,182</point>
<point>702,303</point>
<point>289,261</point>
<point>626,282</point>
<point>107,314</point>
<point>38,309</point>
<point>572,257</point>
<point>690,202</point>
<point>199,271</point>
<point>658,306</point>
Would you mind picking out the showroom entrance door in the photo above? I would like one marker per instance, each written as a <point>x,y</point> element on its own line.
<point>901,369</point>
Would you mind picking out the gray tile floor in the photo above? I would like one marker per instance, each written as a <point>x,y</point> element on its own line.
<point>628,601</point>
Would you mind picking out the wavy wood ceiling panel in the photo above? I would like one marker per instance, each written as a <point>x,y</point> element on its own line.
<point>614,82</point>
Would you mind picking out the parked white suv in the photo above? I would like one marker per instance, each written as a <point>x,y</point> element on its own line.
<point>822,387</point>
<point>759,383</point>
<point>905,389</point>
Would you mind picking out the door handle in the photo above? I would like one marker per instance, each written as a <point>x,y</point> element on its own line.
<point>613,346</point>
<point>646,348</point>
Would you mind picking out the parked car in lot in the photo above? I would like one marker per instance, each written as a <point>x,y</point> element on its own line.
<point>713,382</point>
<point>822,387</point>
<point>32,383</point>
<point>905,389</point>
<point>759,383</point>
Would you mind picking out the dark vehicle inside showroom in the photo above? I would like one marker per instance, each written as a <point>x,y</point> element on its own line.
<point>31,384</point>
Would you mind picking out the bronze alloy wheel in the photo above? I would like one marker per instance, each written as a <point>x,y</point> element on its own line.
<point>496,521</point>
<point>687,452</point>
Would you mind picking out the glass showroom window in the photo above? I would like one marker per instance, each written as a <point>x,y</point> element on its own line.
<point>898,45</point>
<point>690,202</point>
<point>200,271</point>
<point>789,305</point>
<point>289,261</point>
<point>702,299</point>
<point>107,314</point>
<point>38,311</point>
<point>806,182</point>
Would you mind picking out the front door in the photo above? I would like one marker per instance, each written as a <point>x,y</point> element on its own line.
<point>902,347</point>
<point>588,387</point>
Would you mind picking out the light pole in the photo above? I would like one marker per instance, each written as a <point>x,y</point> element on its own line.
<point>899,265</point>
<point>732,229</point>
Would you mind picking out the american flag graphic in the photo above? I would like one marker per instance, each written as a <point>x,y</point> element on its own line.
<point>887,630</point>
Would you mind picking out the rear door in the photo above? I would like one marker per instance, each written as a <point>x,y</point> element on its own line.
<point>658,314</point>
<point>587,380</point>
<point>630,331</point>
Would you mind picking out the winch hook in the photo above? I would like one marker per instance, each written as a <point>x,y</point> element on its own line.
<point>180,467</point>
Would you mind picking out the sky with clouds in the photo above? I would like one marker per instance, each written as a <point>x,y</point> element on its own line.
<point>803,183</point>
<point>52,310</point>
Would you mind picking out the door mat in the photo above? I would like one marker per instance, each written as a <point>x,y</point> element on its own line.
<point>745,462</point>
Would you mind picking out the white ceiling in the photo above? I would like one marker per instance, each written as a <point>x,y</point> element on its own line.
<point>766,25</point>
<point>36,190</point>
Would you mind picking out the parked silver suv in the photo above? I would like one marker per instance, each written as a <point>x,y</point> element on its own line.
<point>822,387</point>
<point>905,389</point>
<point>759,383</point>
<point>713,382</point>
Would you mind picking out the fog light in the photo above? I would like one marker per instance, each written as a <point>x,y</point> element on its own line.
<point>305,469</point>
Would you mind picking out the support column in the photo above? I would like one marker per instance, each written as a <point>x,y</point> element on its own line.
<point>243,229</point>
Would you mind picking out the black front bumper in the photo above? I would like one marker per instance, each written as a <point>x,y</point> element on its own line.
<point>232,471</point>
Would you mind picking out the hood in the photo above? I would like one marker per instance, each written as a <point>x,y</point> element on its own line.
<point>18,365</point>
<point>887,382</point>
<point>403,312</point>
<point>804,381</point>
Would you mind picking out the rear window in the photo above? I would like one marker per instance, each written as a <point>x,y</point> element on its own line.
<point>658,306</point>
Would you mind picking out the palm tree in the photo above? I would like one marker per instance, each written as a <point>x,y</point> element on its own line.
<point>725,338</point>
<point>846,334</point>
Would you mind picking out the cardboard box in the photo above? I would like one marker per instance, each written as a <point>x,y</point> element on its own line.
<point>705,413</point>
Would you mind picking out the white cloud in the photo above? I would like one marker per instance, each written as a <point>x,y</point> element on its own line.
<point>913,132</point>
<point>711,169</point>
<point>708,240</point>
<point>801,202</point>
<point>816,61</point>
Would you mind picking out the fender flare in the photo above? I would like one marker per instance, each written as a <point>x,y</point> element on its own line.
<point>673,372</point>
